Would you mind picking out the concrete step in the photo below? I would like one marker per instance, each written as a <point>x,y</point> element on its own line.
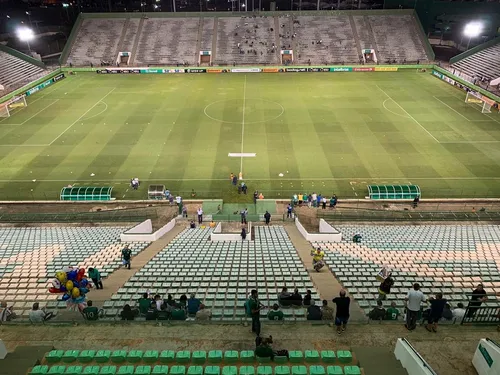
<point>378,361</point>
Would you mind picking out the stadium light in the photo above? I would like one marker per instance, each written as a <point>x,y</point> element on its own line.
<point>472,30</point>
<point>25,34</point>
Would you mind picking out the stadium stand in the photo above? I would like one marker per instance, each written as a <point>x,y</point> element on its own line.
<point>207,34</point>
<point>484,64</point>
<point>220,273</point>
<point>131,28</point>
<point>30,257</point>
<point>365,34</point>
<point>14,72</point>
<point>451,259</point>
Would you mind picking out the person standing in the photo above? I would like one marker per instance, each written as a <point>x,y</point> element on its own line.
<point>243,234</point>
<point>436,313</point>
<point>289,211</point>
<point>126,255</point>
<point>231,178</point>
<point>477,298</point>
<point>255,307</point>
<point>200,215</point>
<point>243,215</point>
<point>267,217</point>
<point>385,288</point>
<point>342,312</point>
<point>314,199</point>
<point>323,201</point>
<point>413,300</point>
<point>95,275</point>
<point>255,196</point>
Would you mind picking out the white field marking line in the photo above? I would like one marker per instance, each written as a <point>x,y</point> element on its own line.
<point>40,111</point>
<point>470,142</point>
<point>394,113</point>
<point>243,122</point>
<point>79,118</point>
<point>410,116</point>
<point>104,110</point>
<point>453,109</point>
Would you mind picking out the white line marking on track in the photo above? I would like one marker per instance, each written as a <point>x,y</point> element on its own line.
<point>410,116</point>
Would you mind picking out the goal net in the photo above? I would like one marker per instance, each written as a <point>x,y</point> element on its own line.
<point>480,100</point>
<point>7,108</point>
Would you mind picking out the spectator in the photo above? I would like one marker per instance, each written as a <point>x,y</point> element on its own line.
<point>179,313</point>
<point>447,313</point>
<point>200,215</point>
<point>38,315</point>
<point>264,350</point>
<point>392,312</point>
<point>385,288</point>
<point>255,196</point>
<point>314,199</point>
<point>296,298</point>
<point>192,225</point>
<point>95,275</point>
<point>126,255</point>
<point>319,199</point>
<point>91,312</point>
<point>342,314</point>
<point>152,313</point>
<point>289,211</point>
<point>267,217</point>
<point>307,298</point>
<point>378,312</point>
<point>285,297</point>
<point>255,307</point>
<point>6,313</point>
<point>183,301</point>
<point>459,312</point>
<point>323,202</point>
<point>144,303</point>
<point>203,313</point>
<point>313,311</point>
<point>243,234</point>
<point>275,313</point>
<point>212,224</point>
<point>477,298</point>
<point>243,214</point>
<point>193,304</point>
<point>357,238</point>
<point>326,311</point>
<point>436,313</point>
<point>127,313</point>
<point>158,302</point>
<point>170,304</point>
<point>184,212</point>
<point>413,300</point>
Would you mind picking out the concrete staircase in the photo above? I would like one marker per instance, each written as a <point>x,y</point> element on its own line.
<point>378,361</point>
<point>198,40</point>
<point>136,41</point>
<point>122,37</point>
<point>23,358</point>
<point>355,33</point>
<point>214,40</point>
<point>375,47</point>
<point>277,38</point>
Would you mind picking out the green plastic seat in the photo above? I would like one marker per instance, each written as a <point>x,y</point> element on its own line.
<point>160,370</point>
<point>167,356</point>
<point>126,370</point>
<point>282,370</point>
<point>247,370</point>
<point>344,356</point>
<point>295,356</point>
<point>299,370</point>
<point>57,370</point>
<point>102,356</point>
<point>183,356</point>
<point>54,356</point>
<point>212,370</point>
<point>108,370</point>
<point>317,370</point>
<point>334,370</point>
<point>91,370</point>
<point>311,356</point>
<point>70,356</point>
<point>231,356</point>
<point>118,356</point>
<point>215,356</point>
<point>150,356</point>
<point>74,370</point>
<point>178,370</point>
<point>247,356</point>
<point>264,370</point>
<point>280,359</point>
<point>328,356</point>
<point>86,356</point>
<point>195,370</point>
<point>199,357</point>
<point>352,370</point>
<point>230,370</point>
<point>263,359</point>
<point>134,356</point>
<point>142,370</point>
<point>39,370</point>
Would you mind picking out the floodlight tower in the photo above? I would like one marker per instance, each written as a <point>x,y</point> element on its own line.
<point>25,34</point>
<point>472,30</point>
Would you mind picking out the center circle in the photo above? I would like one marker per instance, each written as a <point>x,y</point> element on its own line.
<point>252,111</point>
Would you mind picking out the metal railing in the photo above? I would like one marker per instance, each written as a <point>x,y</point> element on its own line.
<point>488,313</point>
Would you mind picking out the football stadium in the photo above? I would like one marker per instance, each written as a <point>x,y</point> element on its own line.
<point>249,189</point>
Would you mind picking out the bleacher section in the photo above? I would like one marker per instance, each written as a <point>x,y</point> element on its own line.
<point>485,63</point>
<point>30,257</point>
<point>220,273</point>
<point>130,34</point>
<point>451,259</point>
<point>15,72</point>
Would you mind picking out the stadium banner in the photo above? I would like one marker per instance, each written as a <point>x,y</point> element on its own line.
<point>318,69</point>
<point>196,70</point>
<point>271,70</point>
<point>42,85</point>
<point>341,69</point>
<point>246,70</point>
<point>295,70</point>
<point>437,74</point>
<point>386,68</point>
<point>218,70</point>
<point>364,69</point>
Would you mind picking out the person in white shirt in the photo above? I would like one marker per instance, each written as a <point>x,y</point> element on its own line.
<point>413,300</point>
<point>6,313</point>
<point>38,315</point>
<point>459,312</point>
<point>200,215</point>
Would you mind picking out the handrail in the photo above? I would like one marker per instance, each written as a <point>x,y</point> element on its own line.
<point>493,342</point>
<point>426,365</point>
<point>474,50</point>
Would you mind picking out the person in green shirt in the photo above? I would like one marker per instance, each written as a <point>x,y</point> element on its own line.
<point>179,314</point>
<point>264,350</point>
<point>275,313</point>
<point>255,307</point>
<point>126,255</point>
<point>90,312</point>
<point>144,304</point>
<point>95,275</point>
<point>392,313</point>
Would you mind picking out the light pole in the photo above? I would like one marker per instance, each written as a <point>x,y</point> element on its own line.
<point>25,34</point>
<point>472,30</point>
<point>29,18</point>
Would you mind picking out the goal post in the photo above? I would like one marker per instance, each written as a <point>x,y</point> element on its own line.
<point>7,107</point>
<point>480,100</point>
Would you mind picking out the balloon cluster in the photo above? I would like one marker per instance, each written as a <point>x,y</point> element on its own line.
<point>73,283</point>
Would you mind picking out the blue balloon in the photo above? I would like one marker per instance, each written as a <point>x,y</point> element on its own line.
<point>76,284</point>
<point>63,289</point>
<point>72,275</point>
<point>80,299</point>
<point>66,297</point>
<point>84,283</point>
<point>83,291</point>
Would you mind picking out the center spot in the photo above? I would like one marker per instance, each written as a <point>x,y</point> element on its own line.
<point>231,111</point>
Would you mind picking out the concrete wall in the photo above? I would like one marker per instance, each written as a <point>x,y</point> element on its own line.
<point>146,227</point>
<point>129,236</point>
<point>411,360</point>
<point>217,235</point>
<point>486,359</point>
<point>327,232</point>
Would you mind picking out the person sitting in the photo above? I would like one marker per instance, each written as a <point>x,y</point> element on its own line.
<point>144,303</point>
<point>313,311</point>
<point>212,224</point>
<point>447,313</point>
<point>152,312</point>
<point>392,313</point>
<point>357,238</point>
<point>385,287</point>
<point>378,312</point>
<point>459,312</point>
<point>193,304</point>
<point>285,298</point>
<point>170,304</point>
<point>6,313</point>
<point>326,311</point>
<point>307,298</point>
<point>178,313</point>
<point>91,312</point>
<point>203,313</point>
<point>38,315</point>
<point>183,302</point>
<point>192,225</point>
<point>275,313</point>
<point>296,298</point>
<point>264,350</point>
<point>127,313</point>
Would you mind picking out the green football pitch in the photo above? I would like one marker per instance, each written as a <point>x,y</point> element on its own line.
<point>322,132</point>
